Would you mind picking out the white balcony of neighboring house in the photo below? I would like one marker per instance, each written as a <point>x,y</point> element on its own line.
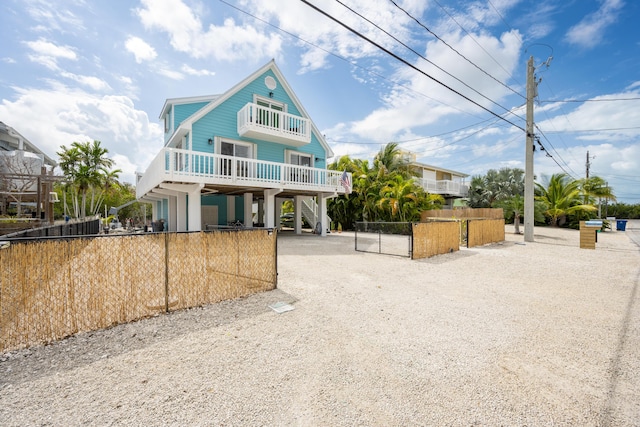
<point>268,124</point>
<point>185,166</point>
<point>444,187</point>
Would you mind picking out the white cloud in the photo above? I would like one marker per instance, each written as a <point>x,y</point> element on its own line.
<point>45,47</point>
<point>53,17</point>
<point>229,42</point>
<point>193,72</point>
<point>47,53</point>
<point>8,60</point>
<point>405,109</point>
<point>140,49</point>
<point>59,115</point>
<point>589,32</point>
<point>93,82</point>
<point>172,74</point>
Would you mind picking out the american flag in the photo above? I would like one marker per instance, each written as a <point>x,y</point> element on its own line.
<point>344,180</point>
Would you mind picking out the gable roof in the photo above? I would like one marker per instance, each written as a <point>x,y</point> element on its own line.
<point>185,100</point>
<point>219,99</point>
<point>438,168</point>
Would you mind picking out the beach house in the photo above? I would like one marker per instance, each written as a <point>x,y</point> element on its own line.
<point>233,158</point>
<point>450,184</point>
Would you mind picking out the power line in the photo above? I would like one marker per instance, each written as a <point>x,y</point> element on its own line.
<point>590,100</point>
<point>504,20</point>
<point>593,130</point>
<point>472,38</point>
<point>558,154</point>
<point>388,52</point>
<point>455,50</point>
<point>422,56</point>
<point>352,63</point>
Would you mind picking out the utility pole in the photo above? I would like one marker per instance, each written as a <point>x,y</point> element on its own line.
<point>588,164</point>
<point>528,169</point>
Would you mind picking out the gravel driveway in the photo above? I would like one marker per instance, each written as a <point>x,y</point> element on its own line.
<point>535,334</point>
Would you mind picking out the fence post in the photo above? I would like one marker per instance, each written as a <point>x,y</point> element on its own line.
<point>166,272</point>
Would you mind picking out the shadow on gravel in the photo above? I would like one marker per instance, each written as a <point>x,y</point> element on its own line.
<point>85,348</point>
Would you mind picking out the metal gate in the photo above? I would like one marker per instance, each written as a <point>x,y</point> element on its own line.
<point>389,238</point>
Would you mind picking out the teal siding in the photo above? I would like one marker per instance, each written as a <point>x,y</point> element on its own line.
<point>183,111</point>
<point>222,121</point>
<point>239,209</point>
<point>221,202</point>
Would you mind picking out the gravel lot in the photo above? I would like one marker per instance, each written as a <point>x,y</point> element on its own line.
<point>535,334</point>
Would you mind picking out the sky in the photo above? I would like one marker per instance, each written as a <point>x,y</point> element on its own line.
<point>445,79</point>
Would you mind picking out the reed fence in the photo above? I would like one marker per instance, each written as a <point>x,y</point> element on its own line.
<point>50,289</point>
<point>484,231</point>
<point>465,213</point>
<point>435,238</point>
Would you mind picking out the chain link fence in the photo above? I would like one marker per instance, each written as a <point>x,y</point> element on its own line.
<point>389,238</point>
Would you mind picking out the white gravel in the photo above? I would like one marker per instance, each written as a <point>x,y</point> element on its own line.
<point>535,334</point>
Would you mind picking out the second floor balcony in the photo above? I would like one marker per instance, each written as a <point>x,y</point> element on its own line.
<point>444,187</point>
<point>217,170</point>
<point>267,124</point>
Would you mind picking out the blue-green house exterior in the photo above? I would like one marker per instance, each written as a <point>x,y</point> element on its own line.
<point>236,156</point>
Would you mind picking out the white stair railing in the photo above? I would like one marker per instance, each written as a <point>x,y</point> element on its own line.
<point>310,212</point>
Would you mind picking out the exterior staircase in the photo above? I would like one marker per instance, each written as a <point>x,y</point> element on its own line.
<point>310,212</point>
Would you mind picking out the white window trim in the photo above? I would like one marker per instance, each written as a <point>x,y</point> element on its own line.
<point>288,153</point>
<point>218,140</point>
<point>257,98</point>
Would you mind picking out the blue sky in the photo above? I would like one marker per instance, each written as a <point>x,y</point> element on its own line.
<point>80,70</point>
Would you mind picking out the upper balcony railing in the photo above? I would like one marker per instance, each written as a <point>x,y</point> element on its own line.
<point>446,187</point>
<point>184,166</point>
<point>256,121</point>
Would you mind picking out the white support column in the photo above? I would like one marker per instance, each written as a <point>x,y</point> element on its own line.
<point>195,209</point>
<point>185,211</point>
<point>172,224</point>
<point>270,207</point>
<point>248,210</point>
<point>297,218</point>
<point>322,212</point>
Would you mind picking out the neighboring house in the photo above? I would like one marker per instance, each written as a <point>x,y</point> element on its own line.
<point>435,180</point>
<point>21,163</point>
<point>237,156</point>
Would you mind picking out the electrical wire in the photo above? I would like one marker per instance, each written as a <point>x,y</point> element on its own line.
<point>455,50</point>
<point>388,52</point>
<point>424,58</point>
<point>352,63</point>
<point>472,38</point>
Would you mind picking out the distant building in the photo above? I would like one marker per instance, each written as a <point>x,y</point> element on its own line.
<point>21,162</point>
<point>448,183</point>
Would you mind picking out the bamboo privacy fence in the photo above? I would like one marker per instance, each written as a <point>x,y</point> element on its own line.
<point>435,238</point>
<point>50,289</point>
<point>483,231</point>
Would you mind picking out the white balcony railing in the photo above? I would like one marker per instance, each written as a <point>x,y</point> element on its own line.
<point>184,166</point>
<point>255,121</point>
<point>447,187</point>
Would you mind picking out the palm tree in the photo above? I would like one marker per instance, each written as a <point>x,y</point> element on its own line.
<point>595,188</point>
<point>562,198</point>
<point>86,167</point>
<point>399,196</point>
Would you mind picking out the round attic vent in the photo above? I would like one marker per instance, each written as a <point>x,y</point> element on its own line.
<point>270,82</point>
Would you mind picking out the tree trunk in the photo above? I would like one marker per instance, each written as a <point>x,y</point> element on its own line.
<point>516,223</point>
